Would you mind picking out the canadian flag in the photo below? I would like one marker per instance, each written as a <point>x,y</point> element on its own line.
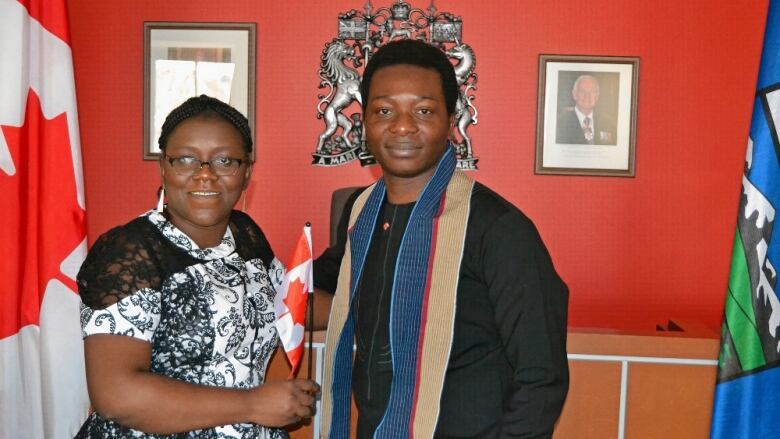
<point>43,391</point>
<point>290,300</point>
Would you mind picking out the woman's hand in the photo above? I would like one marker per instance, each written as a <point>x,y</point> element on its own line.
<point>279,403</point>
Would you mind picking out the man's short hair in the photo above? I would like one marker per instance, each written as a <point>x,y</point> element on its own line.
<point>581,77</point>
<point>414,53</point>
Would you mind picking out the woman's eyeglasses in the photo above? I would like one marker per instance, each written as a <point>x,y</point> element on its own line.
<point>222,166</point>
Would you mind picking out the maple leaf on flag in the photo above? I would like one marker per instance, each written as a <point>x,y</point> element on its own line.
<point>296,293</point>
<point>49,225</point>
<point>290,300</point>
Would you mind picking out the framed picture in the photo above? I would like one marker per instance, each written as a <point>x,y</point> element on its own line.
<point>586,115</point>
<point>182,60</point>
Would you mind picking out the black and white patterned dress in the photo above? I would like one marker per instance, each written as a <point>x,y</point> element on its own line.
<point>207,313</point>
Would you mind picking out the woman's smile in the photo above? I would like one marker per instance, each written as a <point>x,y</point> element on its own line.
<point>200,201</point>
<point>205,194</point>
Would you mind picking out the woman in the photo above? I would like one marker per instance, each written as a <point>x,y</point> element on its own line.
<point>177,309</point>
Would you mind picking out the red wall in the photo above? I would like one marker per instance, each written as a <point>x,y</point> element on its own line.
<point>634,251</point>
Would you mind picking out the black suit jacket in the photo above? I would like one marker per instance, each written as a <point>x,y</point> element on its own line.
<point>569,129</point>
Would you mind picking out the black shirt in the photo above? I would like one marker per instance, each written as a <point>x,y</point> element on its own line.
<point>372,372</point>
<point>507,375</point>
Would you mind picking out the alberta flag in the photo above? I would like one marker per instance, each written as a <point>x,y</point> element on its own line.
<point>42,226</point>
<point>747,396</point>
<point>291,299</point>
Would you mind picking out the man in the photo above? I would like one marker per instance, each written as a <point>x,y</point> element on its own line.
<point>445,288</point>
<point>581,125</point>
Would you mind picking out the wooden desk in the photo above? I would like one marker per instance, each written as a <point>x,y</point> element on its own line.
<point>639,386</point>
<point>653,385</point>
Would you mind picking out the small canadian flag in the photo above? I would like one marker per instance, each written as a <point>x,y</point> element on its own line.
<point>290,301</point>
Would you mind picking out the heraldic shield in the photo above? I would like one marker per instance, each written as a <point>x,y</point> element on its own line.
<point>360,34</point>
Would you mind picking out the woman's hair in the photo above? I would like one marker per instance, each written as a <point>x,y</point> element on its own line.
<point>208,107</point>
<point>415,53</point>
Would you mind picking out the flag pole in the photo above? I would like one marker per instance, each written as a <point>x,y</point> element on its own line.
<point>310,320</point>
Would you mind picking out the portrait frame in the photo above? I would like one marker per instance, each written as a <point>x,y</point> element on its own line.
<point>569,144</point>
<point>185,59</point>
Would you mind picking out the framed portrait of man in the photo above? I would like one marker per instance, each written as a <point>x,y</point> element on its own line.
<point>586,115</point>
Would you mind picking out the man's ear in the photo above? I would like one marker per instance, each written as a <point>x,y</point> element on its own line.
<point>452,119</point>
<point>162,168</point>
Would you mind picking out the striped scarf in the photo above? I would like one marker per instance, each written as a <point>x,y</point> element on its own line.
<point>422,310</point>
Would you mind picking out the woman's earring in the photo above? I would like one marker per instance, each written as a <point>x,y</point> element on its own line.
<point>161,202</point>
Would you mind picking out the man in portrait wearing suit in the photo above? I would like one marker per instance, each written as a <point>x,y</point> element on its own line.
<point>583,124</point>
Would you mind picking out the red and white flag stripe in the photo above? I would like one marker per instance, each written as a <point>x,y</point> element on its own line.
<point>290,301</point>
<point>42,230</point>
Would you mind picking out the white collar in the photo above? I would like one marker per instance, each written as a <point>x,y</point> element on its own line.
<point>581,116</point>
<point>225,247</point>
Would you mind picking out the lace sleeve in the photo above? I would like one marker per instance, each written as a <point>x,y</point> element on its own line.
<point>251,243</point>
<point>119,264</point>
<point>136,315</point>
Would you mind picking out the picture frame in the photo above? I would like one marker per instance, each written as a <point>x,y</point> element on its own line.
<point>186,59</point>
<point>586,115</point>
